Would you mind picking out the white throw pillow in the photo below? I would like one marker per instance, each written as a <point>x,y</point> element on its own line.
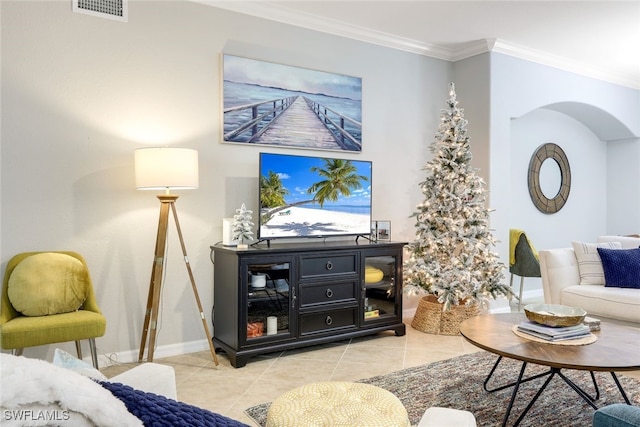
<point>65,360</point>
<point>589,263</point>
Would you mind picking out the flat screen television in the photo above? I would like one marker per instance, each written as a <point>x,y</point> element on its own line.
<point>303,196</point>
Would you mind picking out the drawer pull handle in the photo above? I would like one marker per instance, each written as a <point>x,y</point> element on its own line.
<point>329,265</point>
<point>328,320</point>
<point>329,293</point>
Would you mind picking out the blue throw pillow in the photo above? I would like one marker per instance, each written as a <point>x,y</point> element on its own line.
<point>159,411</point>
<point>621,267</point>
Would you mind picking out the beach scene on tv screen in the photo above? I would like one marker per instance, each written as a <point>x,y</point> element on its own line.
<point>313,196</point>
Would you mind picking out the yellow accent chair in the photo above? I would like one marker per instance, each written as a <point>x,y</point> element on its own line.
<point>523,259</point>
<point>47,298</point>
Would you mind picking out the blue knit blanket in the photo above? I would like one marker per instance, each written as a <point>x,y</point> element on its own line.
<point>159,411</point>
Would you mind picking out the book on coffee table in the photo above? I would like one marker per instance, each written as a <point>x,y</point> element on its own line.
<point>550,333</point>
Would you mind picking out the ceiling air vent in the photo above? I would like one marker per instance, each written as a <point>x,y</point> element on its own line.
<point>110,9</point>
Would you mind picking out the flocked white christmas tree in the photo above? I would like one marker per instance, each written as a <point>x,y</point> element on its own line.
<point>242,227</point>
<point>451,256</point>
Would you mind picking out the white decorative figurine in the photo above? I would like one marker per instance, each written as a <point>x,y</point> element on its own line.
<point>242,226</point>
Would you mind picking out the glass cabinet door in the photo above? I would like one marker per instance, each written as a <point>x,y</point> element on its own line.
<point>270,299</point>
<point>380,288</point>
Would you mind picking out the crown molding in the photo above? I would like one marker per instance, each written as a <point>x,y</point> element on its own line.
<point>313,22</point>
<point>278,13</point>
<point>472,48</point>
<point>544,58</point>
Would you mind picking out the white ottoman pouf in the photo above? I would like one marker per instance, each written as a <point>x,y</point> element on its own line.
<point>337,403</point>
<point>446,417</point>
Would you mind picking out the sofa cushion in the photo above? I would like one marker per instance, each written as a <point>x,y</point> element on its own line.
<point>151,378</point>
<point>48,283</point>
<point>627,242</point>
<point>621,267</point>
<point>599,301</point>
<point>589,263</point>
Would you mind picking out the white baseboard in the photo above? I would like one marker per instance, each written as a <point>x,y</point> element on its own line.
<point>131,356</point>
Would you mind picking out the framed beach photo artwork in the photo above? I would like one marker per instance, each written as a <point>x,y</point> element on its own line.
<point>271,104</point>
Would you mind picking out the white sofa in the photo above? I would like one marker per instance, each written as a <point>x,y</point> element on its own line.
<point>561,285</point>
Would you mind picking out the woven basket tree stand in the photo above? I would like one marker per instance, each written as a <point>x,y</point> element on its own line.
<point>432,319</point>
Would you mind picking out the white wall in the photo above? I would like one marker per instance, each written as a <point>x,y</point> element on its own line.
<point>623,189</point>
<point>584,216</point>
<point>80,94</point>
<point>473,85</point>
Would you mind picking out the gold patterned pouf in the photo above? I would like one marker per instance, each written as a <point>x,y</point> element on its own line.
<point>337,403</point>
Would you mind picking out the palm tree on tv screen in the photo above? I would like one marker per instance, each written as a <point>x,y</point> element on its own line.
<point>272,191</point>
<point>340,178</point>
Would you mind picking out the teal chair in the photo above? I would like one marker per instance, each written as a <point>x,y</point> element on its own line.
<point>523,259</point>
<point>47,298</point>
<point>617,415</point>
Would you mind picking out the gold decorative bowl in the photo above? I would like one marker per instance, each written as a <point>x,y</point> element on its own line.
<point>554,314</point>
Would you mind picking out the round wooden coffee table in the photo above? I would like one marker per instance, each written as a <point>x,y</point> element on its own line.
<point>616,349</point>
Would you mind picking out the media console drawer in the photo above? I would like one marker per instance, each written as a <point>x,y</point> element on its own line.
<point>326,293</point>
<point>328,265</point>
<point>328,320</point>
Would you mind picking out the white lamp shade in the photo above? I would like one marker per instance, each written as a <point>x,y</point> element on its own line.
<point>166,168</point>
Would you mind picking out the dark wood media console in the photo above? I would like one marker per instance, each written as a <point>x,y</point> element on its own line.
<point>292,295</point>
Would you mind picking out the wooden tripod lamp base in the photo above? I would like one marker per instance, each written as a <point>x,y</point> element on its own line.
<point>167,201</point>
<point>164,169</point>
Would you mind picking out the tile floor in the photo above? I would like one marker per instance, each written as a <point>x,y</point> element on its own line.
<point>229,391</point>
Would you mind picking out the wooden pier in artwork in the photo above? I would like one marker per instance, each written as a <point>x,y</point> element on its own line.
<point>294,121</point>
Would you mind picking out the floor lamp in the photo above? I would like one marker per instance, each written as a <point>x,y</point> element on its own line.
<point>166,169</point>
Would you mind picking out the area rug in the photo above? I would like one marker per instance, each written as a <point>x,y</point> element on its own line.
<point>457,383</point>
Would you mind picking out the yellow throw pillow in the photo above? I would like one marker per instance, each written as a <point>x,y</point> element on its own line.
<point>48,283</point>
